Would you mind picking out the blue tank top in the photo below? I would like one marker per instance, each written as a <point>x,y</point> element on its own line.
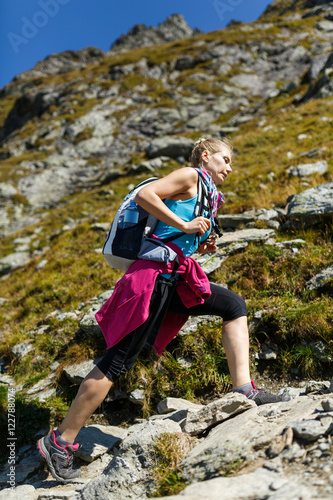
<point>188,243</point>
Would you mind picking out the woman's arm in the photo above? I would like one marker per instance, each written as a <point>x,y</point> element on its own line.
<point>181,183</point>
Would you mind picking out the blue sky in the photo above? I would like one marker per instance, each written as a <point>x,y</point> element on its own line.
<point>33,29</point>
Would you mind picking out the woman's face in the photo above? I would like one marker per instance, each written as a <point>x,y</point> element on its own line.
<point>218,165</point>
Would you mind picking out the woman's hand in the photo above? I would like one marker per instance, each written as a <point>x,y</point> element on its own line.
<point>199,225</point>
<point>209,245</point>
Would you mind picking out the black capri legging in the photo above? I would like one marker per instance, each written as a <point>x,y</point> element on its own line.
<point>222,302</point>
<point>121,357</point>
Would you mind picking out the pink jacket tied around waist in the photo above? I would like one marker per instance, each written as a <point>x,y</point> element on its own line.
<point>128,306</point>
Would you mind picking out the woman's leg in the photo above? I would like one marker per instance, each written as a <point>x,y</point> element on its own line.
<point>235,339</point>
<point>91,394</point>
<point>117,360</point>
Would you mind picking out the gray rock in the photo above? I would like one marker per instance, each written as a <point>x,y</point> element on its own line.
<point>94,146</point>
<point>320,280</point>
<point>259,484</point>
<point>69,60</point>
<point>288,393</point>
<point>324,25</point>
<point>24,467</point>
<point>101,226</point>
<point>98,439</point>
<point>129,473</point>
<point>44,395</point>
<point>172,146</point>
<point>307,430</point>
<point>322,86</point>
<point>76,373</point>
<point>254,83</point>
<point>229,441</point>
<point>41,264</point>
<point>97,120</point>
<point>209,263</point>
<point>21,350</point>
<point>293,452</point>
<point>175,404</point>
<point>42,385</point>
<point>298,242</point>
<point>267,214</point>
<point>317,65</point>
<point>7,380</point>
<point>67,315</point>
<point>24,492</point>
<point>268,355</point>
<point>322,352</point>
<point>137,396</point>
<point>176,416</point>
<point>320,167</point>
<point>89,324</point>
<point>153,164</point>
<point>327,404</point>
<point>273,224</point>
<point>232,221</point>
<point>315,386</point>
<point>311,206</point>
<point>14,261</point>
<point>202,120</point>
<point>193,322</point>
<point>59,495</point>
<point>212,414</point>
<point>247,235</point>
<point>30,105</point>
<point>50,186</point>
<point>173,28</point>
<point>6,191</point>
<point>146,166</point>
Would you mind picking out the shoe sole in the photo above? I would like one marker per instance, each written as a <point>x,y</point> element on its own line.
<point>45,454</point>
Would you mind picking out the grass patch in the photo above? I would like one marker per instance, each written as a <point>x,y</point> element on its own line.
<point>170,449</point>
<point>300,359</point>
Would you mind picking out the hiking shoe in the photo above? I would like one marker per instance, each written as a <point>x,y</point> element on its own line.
<point>262,397</point>
<point>59,459</point>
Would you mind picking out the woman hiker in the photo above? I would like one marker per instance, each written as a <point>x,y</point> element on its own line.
<point>192,295</point>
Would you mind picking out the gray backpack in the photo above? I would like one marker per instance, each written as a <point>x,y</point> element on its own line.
<point>125,243</point>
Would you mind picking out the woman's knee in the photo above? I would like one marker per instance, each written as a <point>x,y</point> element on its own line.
<point>237,308</point>
<point>94,380</point>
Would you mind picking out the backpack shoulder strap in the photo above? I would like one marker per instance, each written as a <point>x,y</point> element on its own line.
<point>202,205</point>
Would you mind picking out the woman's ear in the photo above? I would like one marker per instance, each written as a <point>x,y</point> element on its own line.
<point>205,156</point>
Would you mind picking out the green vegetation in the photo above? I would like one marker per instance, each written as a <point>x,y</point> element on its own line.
<point>170,450</point>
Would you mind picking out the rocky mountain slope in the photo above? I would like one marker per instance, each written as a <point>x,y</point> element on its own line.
<point>76,132</point>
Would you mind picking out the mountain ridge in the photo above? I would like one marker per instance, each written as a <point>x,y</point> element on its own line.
<point>282,7</point>
<point>173,28</point>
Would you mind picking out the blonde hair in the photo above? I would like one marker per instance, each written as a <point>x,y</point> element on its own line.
<point>211,145</point>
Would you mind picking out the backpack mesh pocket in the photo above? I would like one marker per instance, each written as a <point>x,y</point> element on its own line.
<point>127,241</point>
